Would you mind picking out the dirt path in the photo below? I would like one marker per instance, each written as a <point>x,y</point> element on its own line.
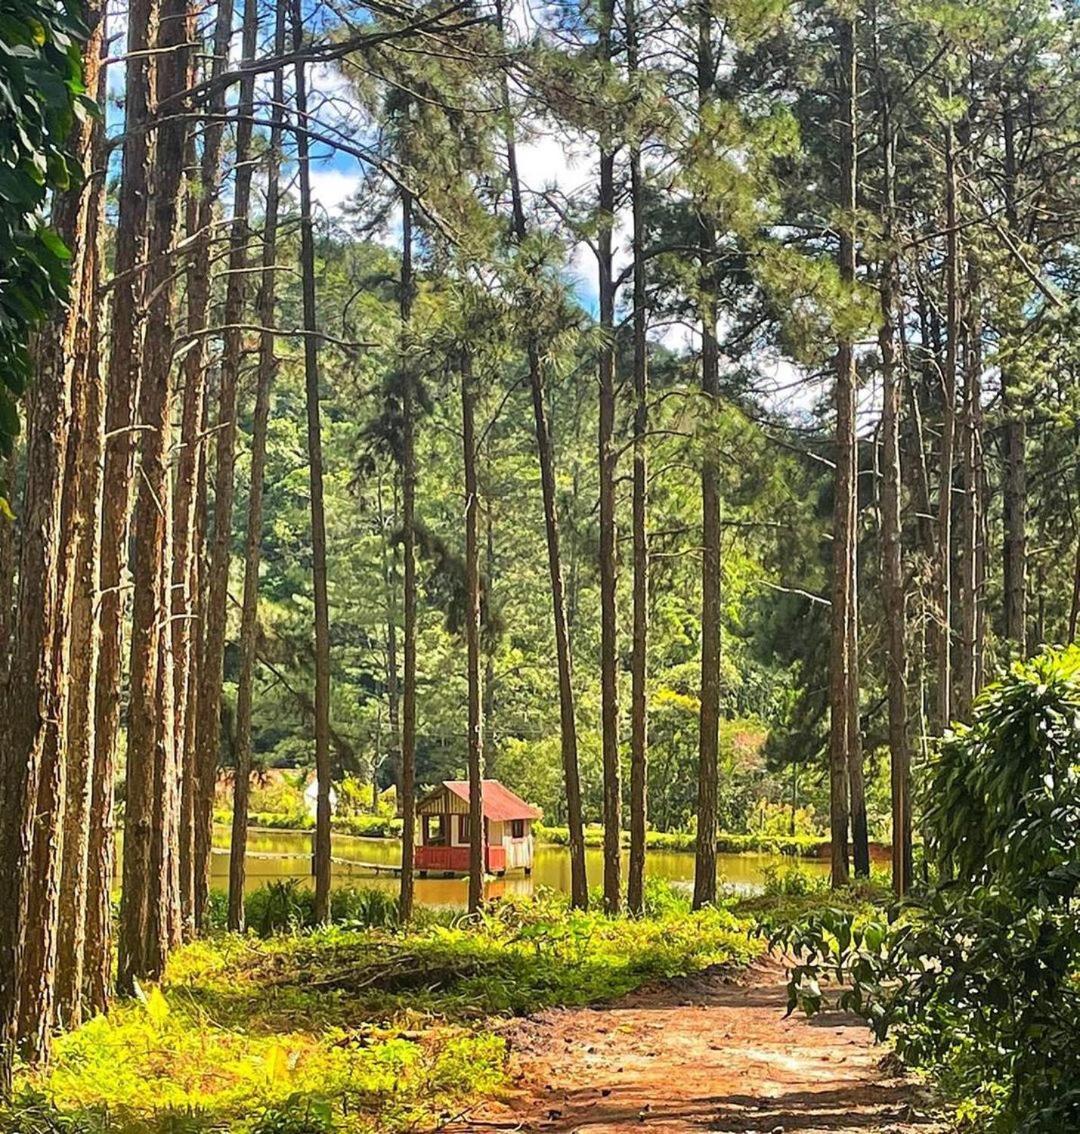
<point>708,1053</point>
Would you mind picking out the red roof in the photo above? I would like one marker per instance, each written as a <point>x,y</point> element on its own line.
<point>501,805</point>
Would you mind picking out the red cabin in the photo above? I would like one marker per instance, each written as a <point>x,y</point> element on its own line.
<point>444,842</point>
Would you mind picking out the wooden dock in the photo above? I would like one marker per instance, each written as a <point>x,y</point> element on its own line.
<point>351,863</point>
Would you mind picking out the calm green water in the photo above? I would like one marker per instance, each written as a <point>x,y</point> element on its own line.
<point>551,869</point>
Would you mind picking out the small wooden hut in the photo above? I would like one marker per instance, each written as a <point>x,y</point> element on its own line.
<point>444,836</point>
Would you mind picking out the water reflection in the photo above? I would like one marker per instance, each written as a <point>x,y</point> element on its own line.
<point>551,869</point>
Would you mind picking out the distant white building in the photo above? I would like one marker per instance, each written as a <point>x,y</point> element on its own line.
<point>311,797</point>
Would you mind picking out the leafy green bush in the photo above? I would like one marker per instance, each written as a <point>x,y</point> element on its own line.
<point>288,905</point>
<point>798,846</point>
<point>368,826</point>
<point>296,1115</point>
<point>361,826</point>
<point>977,980</point>
<point>791,882</point>
<point>41,85</point>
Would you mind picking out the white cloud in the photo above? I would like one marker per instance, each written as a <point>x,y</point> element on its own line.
<point>332,188</point>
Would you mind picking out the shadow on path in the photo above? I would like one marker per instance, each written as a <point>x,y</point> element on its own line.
<point>710,1052</point>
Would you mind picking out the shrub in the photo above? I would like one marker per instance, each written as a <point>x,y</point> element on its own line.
<point>288,905</point>
<point>976,980</point>
<point>797,846</point>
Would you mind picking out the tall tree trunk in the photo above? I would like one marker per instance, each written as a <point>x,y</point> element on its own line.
<point>122,384</point>
<point>7,566</point>
<point>33,737</point>
<point>579,885</point>
<point>860,836</point>
<point>488,710</point>
<point>84,639</point>
<point>944,637</point>
<point>1074,606</point>
<point>31,789</point>
<point>892,576</point>
<point>477,847</point>
<point>609,677</point>
<point>639,660</point>
<point>191,473</point>
<point>190,468</point>
<point>970,585</point>
<point>146,932</point>
<point>1015,482</point>
<point>408,549</point>
<point>393,707</point>
<point>315,474</point>
<point>842,676</point>
<point>214,621</point>
<point>709,718</point>
<point>267,365</point>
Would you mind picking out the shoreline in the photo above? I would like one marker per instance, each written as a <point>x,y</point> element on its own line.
<point>799,847</point>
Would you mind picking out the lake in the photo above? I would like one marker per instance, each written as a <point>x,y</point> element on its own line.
<point>551,868</point>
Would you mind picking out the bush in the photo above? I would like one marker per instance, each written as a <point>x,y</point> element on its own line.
<point>977,979</point>
<point>287,906</point>
<point>797,846</point>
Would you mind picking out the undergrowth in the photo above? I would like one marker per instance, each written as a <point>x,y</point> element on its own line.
<point>352,1030</point>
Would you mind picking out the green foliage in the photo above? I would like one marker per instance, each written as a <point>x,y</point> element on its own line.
<point>999,793</point>
<point>40,87</point>
<point>801,846</point>
<point>977,979</point>
<point>287,905</point>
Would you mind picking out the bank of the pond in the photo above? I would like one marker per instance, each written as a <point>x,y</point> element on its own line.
<point>351,1030</point>
<point>389,827</point>
<point>275,854</point>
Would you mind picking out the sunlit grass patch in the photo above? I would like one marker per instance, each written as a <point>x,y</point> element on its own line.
<point>353,1030</point>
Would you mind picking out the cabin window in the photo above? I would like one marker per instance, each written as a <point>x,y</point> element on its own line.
<point>463,829</point>
<point>436,830</point>
<point>517,828</point>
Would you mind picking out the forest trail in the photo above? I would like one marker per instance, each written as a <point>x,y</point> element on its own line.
<point>711,1052</point>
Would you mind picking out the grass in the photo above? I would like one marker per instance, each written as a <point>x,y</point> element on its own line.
<point>348,1029</point>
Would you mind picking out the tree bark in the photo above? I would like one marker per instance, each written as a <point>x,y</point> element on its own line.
<point>84,639</point>
<point>392,694</point>
<point>893,597</point>
<point>186,612</point>
<point>215,610</point>
<point>944,614</point>
<point>488,709</point>
<point>607,457</point>
<point>8,556</point>
<point>639,660</point>
<point>969,552</point>
<point>860,837</point>
<point>842,679</point>
<point>477,843</point>
<point>32,772</point>
<point>709,717</point>
<point>122,385</point>
<point>1015,486</point>
<point>33,761</point>
<point>266,369</point>
<point>579,885</point>
<point>318,509</point>
<point>146,932</point>
<point>408,548</point>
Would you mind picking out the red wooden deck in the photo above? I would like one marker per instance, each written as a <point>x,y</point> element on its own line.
<point>455,860</point>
